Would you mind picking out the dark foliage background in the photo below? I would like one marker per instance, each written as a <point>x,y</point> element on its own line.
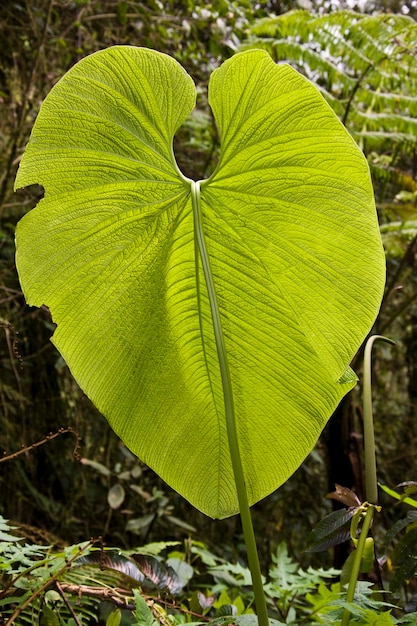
<point>110,493</point>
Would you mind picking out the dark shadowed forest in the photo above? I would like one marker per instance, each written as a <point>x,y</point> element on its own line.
<point>82,482</point>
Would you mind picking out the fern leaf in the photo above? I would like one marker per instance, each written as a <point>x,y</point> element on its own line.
<point>365,64</point>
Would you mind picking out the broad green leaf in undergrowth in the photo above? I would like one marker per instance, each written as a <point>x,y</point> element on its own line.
<point>130,255</point>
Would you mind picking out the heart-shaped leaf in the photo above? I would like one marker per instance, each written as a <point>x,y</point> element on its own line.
<point>115,250</point>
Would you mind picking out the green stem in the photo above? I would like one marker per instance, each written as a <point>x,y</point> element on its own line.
<point>357,563</point>
<point>371,485</point>
<point>245,515</point>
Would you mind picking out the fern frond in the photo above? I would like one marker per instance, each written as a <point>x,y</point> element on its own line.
<point>365,66</point>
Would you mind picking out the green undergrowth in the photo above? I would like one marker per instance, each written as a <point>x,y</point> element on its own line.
<point>169,583</point>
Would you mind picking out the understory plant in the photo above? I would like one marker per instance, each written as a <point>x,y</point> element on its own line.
<point>212,322</point>
<point>169,583</point>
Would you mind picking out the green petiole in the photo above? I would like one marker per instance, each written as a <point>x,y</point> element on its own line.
<point>248,532</point>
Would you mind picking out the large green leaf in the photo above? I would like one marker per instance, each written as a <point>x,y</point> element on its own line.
<point>290,229</point>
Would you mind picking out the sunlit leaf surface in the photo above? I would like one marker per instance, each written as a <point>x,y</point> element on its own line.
<point>294,247</point>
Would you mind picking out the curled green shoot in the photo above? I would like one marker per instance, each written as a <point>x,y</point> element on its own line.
<point>371,484</point>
